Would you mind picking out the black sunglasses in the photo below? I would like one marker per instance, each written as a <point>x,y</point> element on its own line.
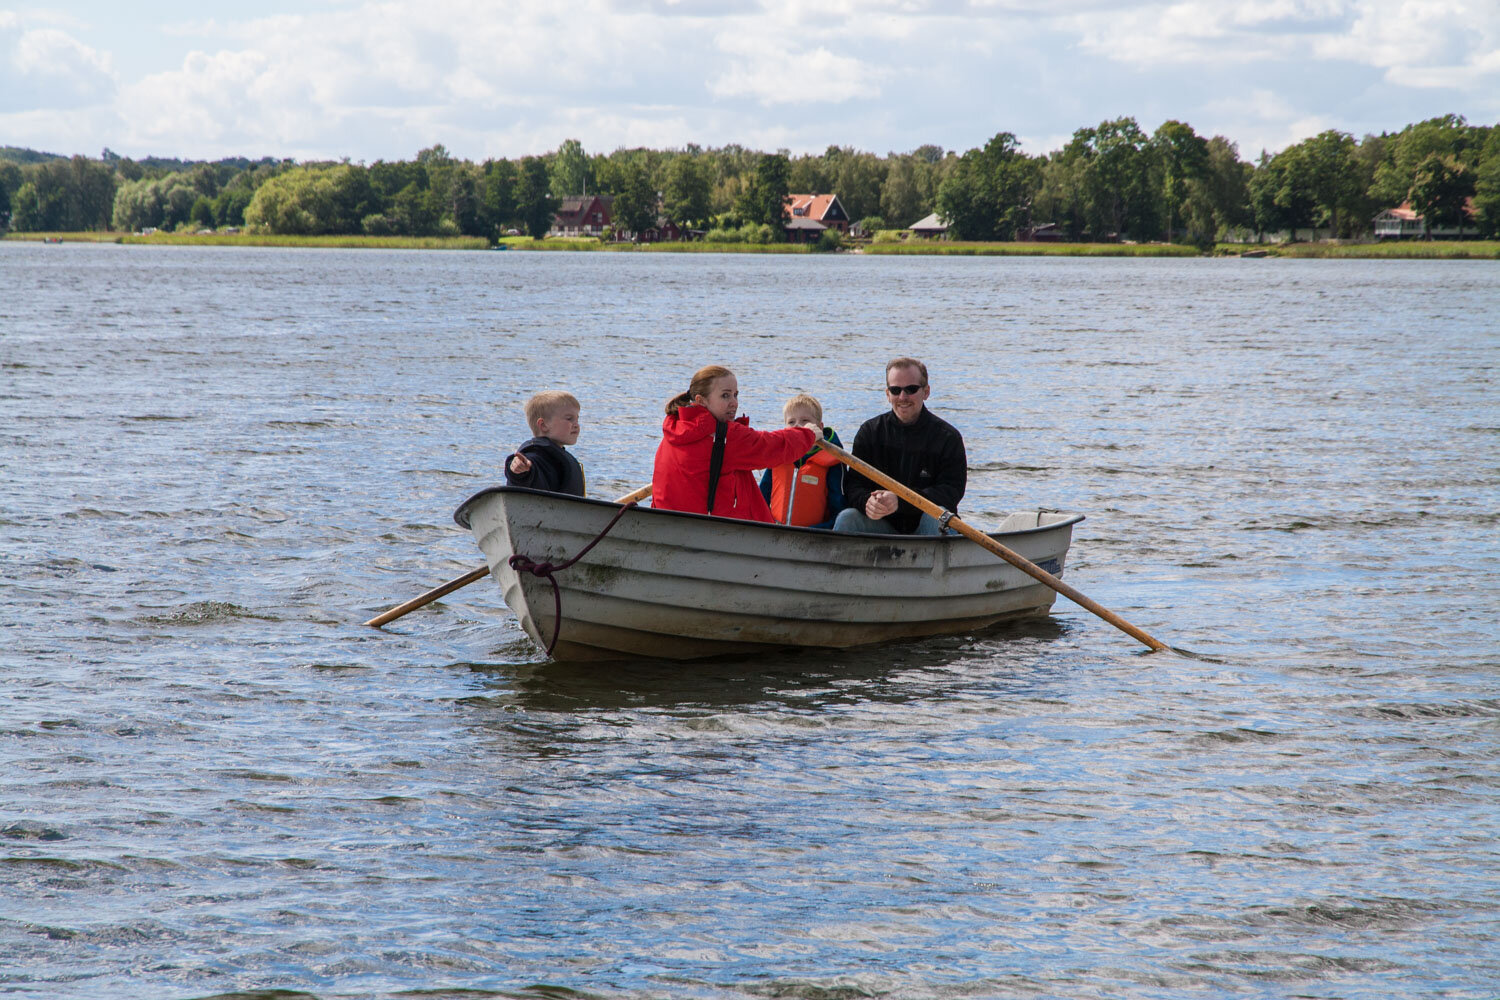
<point>910,390</point>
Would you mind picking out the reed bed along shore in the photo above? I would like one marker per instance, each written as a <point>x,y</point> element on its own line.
<point>696,246</point>
<point>972,249</point>
<point>84,237</point>
<point>1394,250</point>
<point>336,242</point>
<point>262,240</point>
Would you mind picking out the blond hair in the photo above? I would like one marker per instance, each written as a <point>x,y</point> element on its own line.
<point>807,402</point>
<point>703,380</point>
<point>544,406</point>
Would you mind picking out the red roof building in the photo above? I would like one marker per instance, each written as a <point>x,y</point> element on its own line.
<point>823,209</point>
<point>1403,221</point>
<point>583,215</point>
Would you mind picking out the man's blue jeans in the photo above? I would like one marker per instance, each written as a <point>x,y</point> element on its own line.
<point>852,519</point>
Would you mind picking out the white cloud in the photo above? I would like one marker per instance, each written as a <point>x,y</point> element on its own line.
<point>780,76</point>
<point>1264,120</point>
<point>1424,43</point>
<point>45,67</point>
<point>383,78</point>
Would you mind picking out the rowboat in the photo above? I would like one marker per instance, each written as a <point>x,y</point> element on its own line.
<point>671,585</point>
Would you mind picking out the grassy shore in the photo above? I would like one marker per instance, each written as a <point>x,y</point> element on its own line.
<point>264,240</point>
<point>698,246</point>
<point>974,249</point>
<point>60,237</point>
<point>1389,250</point>
<point>337,242</point>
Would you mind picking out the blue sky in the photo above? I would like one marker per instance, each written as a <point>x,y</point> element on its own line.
<point>371,80</point>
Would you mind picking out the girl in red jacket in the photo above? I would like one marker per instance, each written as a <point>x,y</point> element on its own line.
<point>699,423</point>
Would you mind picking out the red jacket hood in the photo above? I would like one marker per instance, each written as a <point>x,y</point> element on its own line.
<point>691,423</point>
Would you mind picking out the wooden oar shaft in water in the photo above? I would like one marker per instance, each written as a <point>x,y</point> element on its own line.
<point>478,573</point>
<point>1017,560</point>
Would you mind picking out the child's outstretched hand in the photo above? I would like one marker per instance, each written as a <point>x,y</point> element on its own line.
<point>520,464</point>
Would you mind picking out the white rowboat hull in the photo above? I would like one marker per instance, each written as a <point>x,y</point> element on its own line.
<point>669,585</point>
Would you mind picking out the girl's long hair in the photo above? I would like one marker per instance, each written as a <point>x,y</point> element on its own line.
<point>702,381</point>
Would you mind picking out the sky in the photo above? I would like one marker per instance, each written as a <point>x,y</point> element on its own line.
<point>329,79</point>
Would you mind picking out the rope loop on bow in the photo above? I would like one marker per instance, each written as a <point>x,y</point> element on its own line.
<point>522,563</point>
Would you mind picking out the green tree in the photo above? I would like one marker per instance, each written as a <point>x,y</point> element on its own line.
<point>857,179</point>
<point>1448,135</point>
<point>1061,197</point>
<point>1183,156</point>
<point>138,205</point>
<point>27,212</point>
<point>1439,190</point>
<point>1323,168</point>
<point>64,196</point>
<point>464,201</point>
<point>989,195</point>
<point>230,204</point>
<point>178,196</point>
<point>1277,203</point>
<point>685,197</point>
<point>412,212</point>
<point>497,198</point>
<point>1118,165</point>
<point>312,200</point>
<point>388,178</point>
<point>1220,199</point>
<point>635,204</point>
<point>763,201</point>
<point>11,180</point>
<point>1487,187</point>
<point>533,199</point>
<point>900,201</point>
<point>569,174</point>
<point>202,213</point>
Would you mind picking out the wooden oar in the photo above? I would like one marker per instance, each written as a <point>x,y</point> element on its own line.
<point>478,573</point>
<point>1020,562</point>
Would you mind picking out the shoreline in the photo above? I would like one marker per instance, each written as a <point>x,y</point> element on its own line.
<point>1404,250</point>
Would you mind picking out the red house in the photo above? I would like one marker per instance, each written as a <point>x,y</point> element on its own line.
<point>583,215</point>
<point>665,230</point>
<point>823,209</point>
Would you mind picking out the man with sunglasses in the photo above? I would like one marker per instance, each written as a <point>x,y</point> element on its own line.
<point>912,446</point>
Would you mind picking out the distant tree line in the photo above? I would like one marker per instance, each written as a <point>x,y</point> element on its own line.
<point>1111,181</point>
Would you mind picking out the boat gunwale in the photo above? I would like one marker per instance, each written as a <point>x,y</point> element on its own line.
<point>461,518</point>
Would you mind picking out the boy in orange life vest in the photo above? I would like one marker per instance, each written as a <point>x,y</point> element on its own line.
<point>809,492</point>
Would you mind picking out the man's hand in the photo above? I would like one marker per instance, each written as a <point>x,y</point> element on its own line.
<point>882,503</point>
<point>520,464</point>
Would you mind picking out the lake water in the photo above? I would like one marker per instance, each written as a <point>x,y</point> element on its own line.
<point>213,780</point>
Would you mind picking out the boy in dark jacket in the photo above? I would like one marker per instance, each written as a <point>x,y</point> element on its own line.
<point>543,463</point>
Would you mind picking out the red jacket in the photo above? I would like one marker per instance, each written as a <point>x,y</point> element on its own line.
<point>680,480</point>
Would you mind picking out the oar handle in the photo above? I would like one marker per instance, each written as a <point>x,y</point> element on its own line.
<point>478,573</point>
<point>635,496</point>
<point>1020,562</point>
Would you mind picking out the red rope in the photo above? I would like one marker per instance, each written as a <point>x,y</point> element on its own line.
<point>525,564</point>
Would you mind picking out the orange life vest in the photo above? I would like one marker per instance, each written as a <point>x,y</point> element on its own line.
<point>799,494</point>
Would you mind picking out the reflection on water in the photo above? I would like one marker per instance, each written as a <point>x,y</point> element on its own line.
<point>783,679</point>
<point>213,780</point>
